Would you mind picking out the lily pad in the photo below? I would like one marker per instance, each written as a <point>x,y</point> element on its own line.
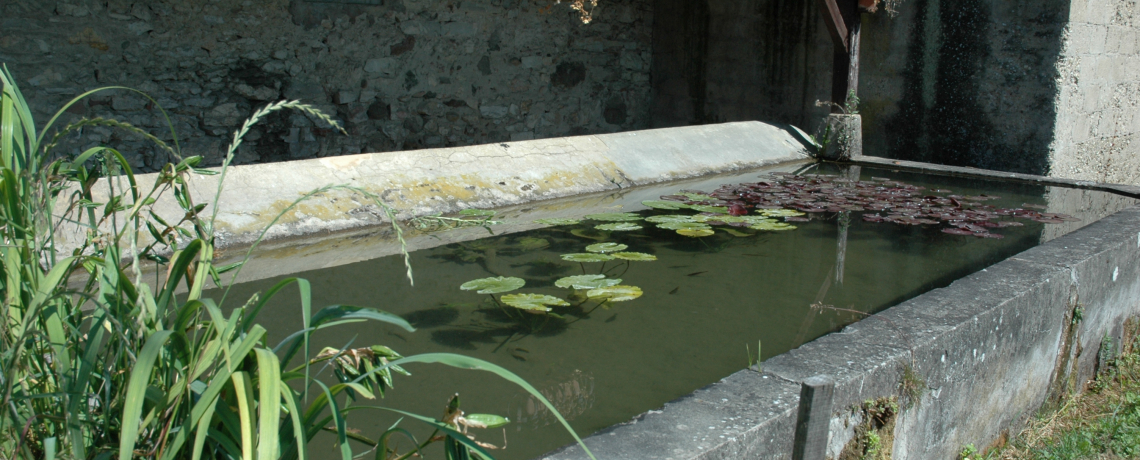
<point>533,302</point>
<point>684,226</point>
<point>755,219</point>
<point>775,226</point>
<point>695,232</point>
<point>635,256</point>
<point>618,293</point>
<point>781,213</point>
<point>557,221</point>
<point>614,216</point>
<point>669,218</point>
<point>477,212</point>
<point>586,282</point>
<point>716,209</point>
<point>590,233</point>
<point>493,285</point>
<point>606,247</point>
<point>619,227</point>
<point>697,196</point>
<point>666,205</point>
<point>586,257</point>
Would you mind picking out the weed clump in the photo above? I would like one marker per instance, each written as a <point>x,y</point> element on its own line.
<point>875,436</point>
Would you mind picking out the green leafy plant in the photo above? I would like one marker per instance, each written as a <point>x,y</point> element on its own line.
<point>95,362</point>
<point>759,356</point>
<point>467,218</point>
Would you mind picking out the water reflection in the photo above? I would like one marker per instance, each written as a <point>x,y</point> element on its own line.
<point>573,396</point>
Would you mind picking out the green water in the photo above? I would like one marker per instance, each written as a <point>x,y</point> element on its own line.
<point>705,300</point>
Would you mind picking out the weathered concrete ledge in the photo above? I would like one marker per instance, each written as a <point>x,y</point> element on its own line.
<point>446,180</point>
<point>991,348</point>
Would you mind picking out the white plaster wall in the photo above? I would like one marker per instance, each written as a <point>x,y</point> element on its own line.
<point>1099,94</point>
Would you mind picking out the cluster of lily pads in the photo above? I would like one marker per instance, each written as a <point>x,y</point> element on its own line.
<point>588,287</point>
<point>791,196</point>
<point>709,213</point>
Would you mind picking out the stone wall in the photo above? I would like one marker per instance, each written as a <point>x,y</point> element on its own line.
<point>1099,94</point>
<point>399,74</point>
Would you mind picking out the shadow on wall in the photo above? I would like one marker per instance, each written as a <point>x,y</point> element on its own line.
<point>974,84</point>
<point>718,61</point>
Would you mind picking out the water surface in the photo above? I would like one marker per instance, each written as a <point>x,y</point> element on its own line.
<point>706,301</point>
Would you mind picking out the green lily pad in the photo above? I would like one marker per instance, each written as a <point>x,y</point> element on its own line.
<point>614,216</point>
<point>716,209</point>
<point>533,302</point>
<point>477,212</point>
<point>695,232</point>
<point>557,221</point>
<point>496,285</point>
<point>586,282</point>
<point>635,256</point>
<point>590,233</point>
<point>776,226</point>
<point>618,293</point>
<point>683,226</point>
<point>487,420</point>
<point>755,219</point>
<point>606,247</point>
<point>669,218</point>
<point>701,218</point>
<point>780,212</point>
<point>586,257</point>
<point>666,205</point>
<point>697,196</point>
<point>619,227</point>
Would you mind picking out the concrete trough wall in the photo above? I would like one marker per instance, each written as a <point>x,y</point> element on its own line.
<point>424,182</point>
<point>991,348</point>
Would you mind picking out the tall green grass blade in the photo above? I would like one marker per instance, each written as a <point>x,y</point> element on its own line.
<point>298,428</point>
<point>136,389</point>
<point>269,404</point>
<point>201,434</point>
<point>184,258</point>
<point>338,417</point>
<point>243,393</point>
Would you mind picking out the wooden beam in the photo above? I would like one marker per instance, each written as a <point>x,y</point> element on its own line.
<point>836,26</point>
<point>845,64</point>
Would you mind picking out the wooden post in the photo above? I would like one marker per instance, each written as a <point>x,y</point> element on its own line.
<point>814,421</point>
<point>845,64</point>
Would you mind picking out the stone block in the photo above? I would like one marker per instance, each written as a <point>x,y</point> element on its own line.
<point>458,29</point>
<point>223,116</point>
<point>127,103</point>
<point>531,62</point>
<point>384,67</point>
<point>493,111</point>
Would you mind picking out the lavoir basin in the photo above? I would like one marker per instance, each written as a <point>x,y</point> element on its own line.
<point>708,302</point>
<point>992,326</point>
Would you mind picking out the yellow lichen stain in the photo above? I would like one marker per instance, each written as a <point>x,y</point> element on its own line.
<point>404,193</point>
